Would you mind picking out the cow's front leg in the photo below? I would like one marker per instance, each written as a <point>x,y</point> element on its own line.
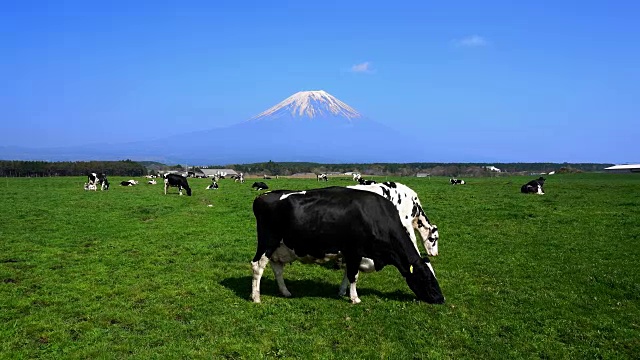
<point>258,270</point>
<point>278,269</point>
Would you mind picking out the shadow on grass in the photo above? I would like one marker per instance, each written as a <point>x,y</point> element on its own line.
<point>241,286</point>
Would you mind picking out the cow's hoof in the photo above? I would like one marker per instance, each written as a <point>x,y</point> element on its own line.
<point>286,294</point>
<point>342,292</point>
<point>356,301</point>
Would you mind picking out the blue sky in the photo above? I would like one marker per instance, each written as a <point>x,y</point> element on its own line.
<point>544,81</point>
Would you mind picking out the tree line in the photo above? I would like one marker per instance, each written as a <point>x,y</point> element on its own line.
<point>411,169</point>
<point>10,168</point>
<point>133,168</point>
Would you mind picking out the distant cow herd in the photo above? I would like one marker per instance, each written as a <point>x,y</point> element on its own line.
<point>362,227</point>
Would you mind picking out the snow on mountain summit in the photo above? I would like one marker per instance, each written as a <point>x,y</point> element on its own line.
<point>310,105</point>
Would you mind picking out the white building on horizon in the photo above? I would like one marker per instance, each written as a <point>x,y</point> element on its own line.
<point>624,168</point>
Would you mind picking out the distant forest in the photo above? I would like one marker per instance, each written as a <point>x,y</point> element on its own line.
<point>132,168</point>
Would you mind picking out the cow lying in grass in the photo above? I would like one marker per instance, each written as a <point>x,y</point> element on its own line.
<point>259,185</point>
<point>534,186</point>
<point>317,225</point>
<point>363,181</point>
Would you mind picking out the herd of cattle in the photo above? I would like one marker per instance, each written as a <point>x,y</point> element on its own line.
<point>363,227</point>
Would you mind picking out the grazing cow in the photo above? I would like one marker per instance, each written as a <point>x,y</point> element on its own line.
<point>213,186</point>
<point>362,181</point>
<point>316,225</point>
<point>240,178</point>
<point>356,177</point>
<point>126,183</point>
<point>175,180</point>
<point>259,185</point>
<point>88,186</point>
<point>95,179</point>
<point>456,181</point>
<point>134,182</point>
<point>152,182</point>
<point>410,211</point>
<point>266,177</point>
<point>322,177</point>
<point>534,186</point>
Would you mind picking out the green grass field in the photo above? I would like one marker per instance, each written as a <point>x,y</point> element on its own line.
<point>132,273</point>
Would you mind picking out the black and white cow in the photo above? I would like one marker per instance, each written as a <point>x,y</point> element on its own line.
<point>98,178</point>
<point>456,181</point>
<point>152,182</point>
<point>314,226</point>
<point>363,181</point>
<point>213,185</point>
<point>259,185</point>
<point>534,186</point>
<point>322,177</point>
<point>175,180</point>
<point>356,177</point>
<point>266,177</point>
<point>126,183</point>
<point>240,178</point>
<point>410,211</point>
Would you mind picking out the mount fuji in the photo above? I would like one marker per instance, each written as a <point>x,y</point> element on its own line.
<point>311,126</point>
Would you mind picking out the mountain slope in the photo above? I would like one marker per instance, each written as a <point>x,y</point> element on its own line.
<point>307,126</point>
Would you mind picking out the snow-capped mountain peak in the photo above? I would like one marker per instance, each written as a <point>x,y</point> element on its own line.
<point>310,105</point>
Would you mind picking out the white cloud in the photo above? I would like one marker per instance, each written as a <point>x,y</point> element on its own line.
<point>471,41</point>
<point>365,67</point>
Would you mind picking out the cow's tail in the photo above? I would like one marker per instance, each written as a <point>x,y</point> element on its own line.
<point>261,227</point>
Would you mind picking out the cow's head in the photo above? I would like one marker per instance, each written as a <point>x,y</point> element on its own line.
<point>423,282</point>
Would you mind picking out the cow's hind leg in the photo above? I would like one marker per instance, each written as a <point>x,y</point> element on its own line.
<point>258,270</point>
<point>353,294</point>
<point>278,269</point>
<point>343,286</point>
<point>352,277</point>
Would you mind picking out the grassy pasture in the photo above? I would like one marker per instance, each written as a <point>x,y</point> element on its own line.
<point>131,273</point>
